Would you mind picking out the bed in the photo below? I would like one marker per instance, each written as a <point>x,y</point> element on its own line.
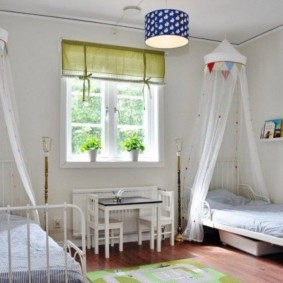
<point>28,254</point>
<point>252,225</point>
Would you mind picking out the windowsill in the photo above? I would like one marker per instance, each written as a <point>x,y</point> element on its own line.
<point>112,164</point>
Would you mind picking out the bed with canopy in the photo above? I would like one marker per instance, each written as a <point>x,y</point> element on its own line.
<point>28,253</point>
<point>223,155</point>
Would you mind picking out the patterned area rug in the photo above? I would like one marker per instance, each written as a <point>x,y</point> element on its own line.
<point>177,271</point>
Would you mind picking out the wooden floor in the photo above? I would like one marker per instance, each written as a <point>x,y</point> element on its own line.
<point>247,268</point>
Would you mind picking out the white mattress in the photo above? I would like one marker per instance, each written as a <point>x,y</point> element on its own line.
<point>253,215</point>
<point>38,254</point>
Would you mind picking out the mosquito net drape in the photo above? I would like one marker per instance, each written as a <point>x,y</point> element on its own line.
<point>10,138</point>
<point>224,70</point>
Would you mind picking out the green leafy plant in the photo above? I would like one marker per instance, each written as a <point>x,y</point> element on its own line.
<point>91,144</point>
<point>133,143</point>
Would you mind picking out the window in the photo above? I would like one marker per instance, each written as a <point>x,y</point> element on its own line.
<point>111,92</point>
<point>111,111</point>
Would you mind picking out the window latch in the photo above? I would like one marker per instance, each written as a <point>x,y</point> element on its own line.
<point>116,110</point>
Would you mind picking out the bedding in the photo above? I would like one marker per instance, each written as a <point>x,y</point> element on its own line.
<point>19,254</point>
<point>253,215</point>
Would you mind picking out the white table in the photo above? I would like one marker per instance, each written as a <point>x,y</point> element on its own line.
<point>110,204</point>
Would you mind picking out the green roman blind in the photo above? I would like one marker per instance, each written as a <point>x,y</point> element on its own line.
<point>100,61</point>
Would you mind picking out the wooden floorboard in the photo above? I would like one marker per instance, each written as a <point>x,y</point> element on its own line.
<point>247,268</point>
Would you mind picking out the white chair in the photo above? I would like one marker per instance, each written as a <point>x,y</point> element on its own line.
<point>95,224</point>
<point>167,219</point>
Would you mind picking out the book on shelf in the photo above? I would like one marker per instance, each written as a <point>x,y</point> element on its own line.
<point>272,129</point>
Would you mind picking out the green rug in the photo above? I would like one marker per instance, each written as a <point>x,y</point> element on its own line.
<point>176,271</point>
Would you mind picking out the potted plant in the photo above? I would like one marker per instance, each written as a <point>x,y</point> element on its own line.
<point>92,145</point>
<point>134,145</point>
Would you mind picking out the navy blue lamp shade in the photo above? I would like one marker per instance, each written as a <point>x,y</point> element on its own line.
<point>166,28</point>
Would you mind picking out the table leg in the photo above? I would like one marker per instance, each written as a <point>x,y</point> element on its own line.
<point>158,215</point>
<point>106,221</point>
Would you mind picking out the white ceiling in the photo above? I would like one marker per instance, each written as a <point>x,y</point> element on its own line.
<point>236,20</point>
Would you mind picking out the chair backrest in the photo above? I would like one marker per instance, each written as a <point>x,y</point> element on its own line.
<point>167,208</point>
<point>92,209</point>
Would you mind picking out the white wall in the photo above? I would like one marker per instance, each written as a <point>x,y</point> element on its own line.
<point>265,79</point>
<point>34,52</point>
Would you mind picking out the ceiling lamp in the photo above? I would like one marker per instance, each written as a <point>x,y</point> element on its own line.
<point>166,28</point>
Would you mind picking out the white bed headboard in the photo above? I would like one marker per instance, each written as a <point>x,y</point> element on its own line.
<point>225,176</point>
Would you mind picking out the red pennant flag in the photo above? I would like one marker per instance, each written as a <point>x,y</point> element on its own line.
<point>210,66</point>
<point>225,74</point>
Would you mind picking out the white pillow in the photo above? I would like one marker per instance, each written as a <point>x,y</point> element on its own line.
<point>225,197</point>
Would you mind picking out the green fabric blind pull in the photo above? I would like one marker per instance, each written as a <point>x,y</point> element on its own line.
<point>85,79</point>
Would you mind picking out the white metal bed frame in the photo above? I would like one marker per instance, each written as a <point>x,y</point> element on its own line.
<point>226,176</point>
<point>68,246</point>
<point>13,196</point>
<point>247,191</point>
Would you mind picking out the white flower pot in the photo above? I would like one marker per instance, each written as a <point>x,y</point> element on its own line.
<point>135,154</point>
<point>92,155</point>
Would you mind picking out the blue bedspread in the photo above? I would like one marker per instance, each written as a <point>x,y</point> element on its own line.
<point>37,250</point>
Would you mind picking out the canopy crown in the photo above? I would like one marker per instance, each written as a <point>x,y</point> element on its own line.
<point>225,52</point>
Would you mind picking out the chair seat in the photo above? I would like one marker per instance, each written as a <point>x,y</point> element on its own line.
<point>113,223</point>
<point>152,219</point>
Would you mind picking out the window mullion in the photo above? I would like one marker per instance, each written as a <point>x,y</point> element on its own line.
<point>112,119</point>
<point>105,120</point>
<point>147,123</point>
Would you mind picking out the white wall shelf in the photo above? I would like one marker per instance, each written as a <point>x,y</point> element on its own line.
<point>271,140</point>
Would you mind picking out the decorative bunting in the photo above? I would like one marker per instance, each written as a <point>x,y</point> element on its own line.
<point>225,74</point>
<point>229,65</point>
<point>239,66</point>
<point>218,66</point>
<point>210,66</point>
<point>226,67</point>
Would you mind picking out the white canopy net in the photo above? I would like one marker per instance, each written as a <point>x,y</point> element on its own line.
<point>11,155</point>
<point>224,77</point>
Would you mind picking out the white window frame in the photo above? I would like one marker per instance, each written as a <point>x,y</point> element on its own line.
<point>65,162</point>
